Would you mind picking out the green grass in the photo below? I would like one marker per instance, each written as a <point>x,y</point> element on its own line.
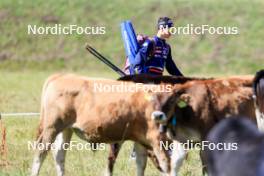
<point>21,130</point>
<point>78,162</point>
<point>27,60</point>
<point>241,53</point>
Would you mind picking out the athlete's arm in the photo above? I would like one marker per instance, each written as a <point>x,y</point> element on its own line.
<point>171,66</point>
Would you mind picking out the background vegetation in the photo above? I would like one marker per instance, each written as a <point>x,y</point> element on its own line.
<point>206,54</point>
<point>27,60</point>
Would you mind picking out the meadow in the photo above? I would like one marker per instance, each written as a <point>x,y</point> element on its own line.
<point>27,60</point>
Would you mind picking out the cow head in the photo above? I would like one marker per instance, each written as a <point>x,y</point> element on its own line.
<point>155,101</point>
<point>164,117</point>
<point>165,109</point>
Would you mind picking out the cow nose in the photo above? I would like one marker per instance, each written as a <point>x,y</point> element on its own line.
<point>158,116</point>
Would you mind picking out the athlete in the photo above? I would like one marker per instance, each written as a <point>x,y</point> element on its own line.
<point>155,53</point>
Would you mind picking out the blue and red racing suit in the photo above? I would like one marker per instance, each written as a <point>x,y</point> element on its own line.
<point>153,56</point>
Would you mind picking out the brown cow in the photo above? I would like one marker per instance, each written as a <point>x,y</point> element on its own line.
<point>146,79</point>
<point>207,101</point>
<point>71,103</point>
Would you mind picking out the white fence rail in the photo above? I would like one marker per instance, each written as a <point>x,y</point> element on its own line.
<point>19,114</point>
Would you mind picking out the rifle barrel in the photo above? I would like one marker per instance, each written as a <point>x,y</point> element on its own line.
<point>105,60</point>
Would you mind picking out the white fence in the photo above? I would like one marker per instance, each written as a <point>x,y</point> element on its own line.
<point>20,114</point>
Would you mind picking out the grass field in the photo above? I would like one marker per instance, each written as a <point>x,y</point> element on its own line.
<point>27,60</point>
<point>78,162</point>
<point>205,54</point>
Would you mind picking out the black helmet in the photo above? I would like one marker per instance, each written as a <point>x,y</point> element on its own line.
<point>164,22</point>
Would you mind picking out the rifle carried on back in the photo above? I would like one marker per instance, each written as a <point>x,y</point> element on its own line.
<point>104,60</point>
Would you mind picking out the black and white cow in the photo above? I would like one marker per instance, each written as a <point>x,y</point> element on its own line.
<point>258,87</point>
<point>245,158</point>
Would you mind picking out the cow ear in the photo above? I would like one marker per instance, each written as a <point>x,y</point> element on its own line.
<point>184,100</point>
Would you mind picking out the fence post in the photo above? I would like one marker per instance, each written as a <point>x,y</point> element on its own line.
<point>3,146</point>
